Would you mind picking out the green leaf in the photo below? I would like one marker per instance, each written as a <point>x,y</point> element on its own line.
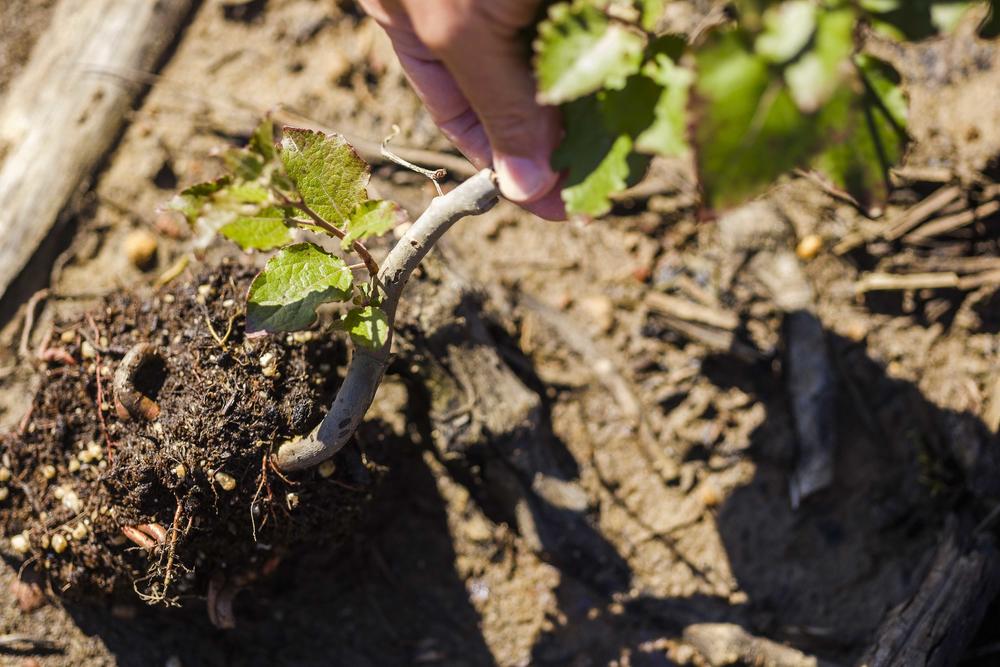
<point>788,27</point>
<point>190,201</point>
<point>651,12</point>
<point>751,129</point>
<point>579,51</point>
<point>212,206</point>
<point>372,218</point>
<point>884,83</point>
<point>326,171</point>
<point>264,231</point>
<point>589,194</point>
<point>816,75</point>
<point>243,164</point>
<point>300,277</point>
<point>251,162</point>
<point>368,327</point>
<point>880,6</point>
<point>667,134</point>
<point>262,140</point>
<point>863,140</point>
<point>748,128</point>
<point>916,19</point>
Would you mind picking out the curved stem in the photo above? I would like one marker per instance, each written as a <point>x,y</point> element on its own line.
<point>473,197</point>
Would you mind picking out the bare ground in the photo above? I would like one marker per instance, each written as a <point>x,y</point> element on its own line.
<point>682,450</point>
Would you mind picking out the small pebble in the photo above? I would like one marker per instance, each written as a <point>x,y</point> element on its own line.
<point>48,471</point>
<point>5,474</point>
<point>4,493</point>
<point>327,468</point>
<point>67,337</point>
<point>180,470</point>
<point>268,364</point>
<point>228,303</point>
<point>87,350</point>
<point>19,543</point>
<point>95,450</point>
<point>292,500</point>
<point>140,248</point>
<point>79,531</point>
<point>225,480</point>
<point>169,298</point>
<point>599,311</point>
<point>59,543</point>
<point>70,500</point>
<point>204,291</point>
<point>809,246</point>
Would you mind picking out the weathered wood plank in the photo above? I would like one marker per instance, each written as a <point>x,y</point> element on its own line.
<point>61,116</point>
<point>936,625</point>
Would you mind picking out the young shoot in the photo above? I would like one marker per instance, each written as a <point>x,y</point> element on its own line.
<point>317,182</point>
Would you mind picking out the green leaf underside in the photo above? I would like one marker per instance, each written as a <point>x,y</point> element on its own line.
<point>297,279</point>
<point>609,135</point>
<point>579,51</point>
<point>265,231</point>
<point>372,218</point>
<point>327,172</point>
<point>368,327</point>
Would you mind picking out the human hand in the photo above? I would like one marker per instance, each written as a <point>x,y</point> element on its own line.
<point>469,66</point>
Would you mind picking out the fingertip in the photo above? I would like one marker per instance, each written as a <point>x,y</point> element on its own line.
<point>524,179</point>
<point>549,206</point>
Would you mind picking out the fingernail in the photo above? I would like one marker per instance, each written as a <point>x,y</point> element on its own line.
<point>523,179</point>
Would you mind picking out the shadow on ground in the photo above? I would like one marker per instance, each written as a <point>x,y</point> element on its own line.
<point>391,597</point>
<point>819,578</point>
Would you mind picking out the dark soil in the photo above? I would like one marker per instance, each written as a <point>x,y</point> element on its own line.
<point>646,493</point>
<point>200,469</point>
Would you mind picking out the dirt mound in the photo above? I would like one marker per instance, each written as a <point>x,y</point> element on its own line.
<point>179,495</point>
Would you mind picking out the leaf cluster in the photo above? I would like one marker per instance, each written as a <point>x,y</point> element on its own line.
<point>784,84</point>
<point>310,181</point>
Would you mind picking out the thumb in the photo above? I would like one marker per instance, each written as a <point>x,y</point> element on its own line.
<point>484,54</point>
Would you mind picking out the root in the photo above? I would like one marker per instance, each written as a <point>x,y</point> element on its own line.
<point>150,536</point>
<point>139,537</point>
<point>100,389</point>
<point>29,321</point>
<point>220,340</point>
<point>473,197</point>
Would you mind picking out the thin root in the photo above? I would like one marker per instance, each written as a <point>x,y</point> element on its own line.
<point>29,321</point>
<point>100,389</point>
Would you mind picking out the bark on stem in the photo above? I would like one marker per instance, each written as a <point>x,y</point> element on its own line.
<point>473,197</point>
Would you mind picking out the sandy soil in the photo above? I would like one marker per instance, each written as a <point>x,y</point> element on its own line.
<point>683,450</point>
